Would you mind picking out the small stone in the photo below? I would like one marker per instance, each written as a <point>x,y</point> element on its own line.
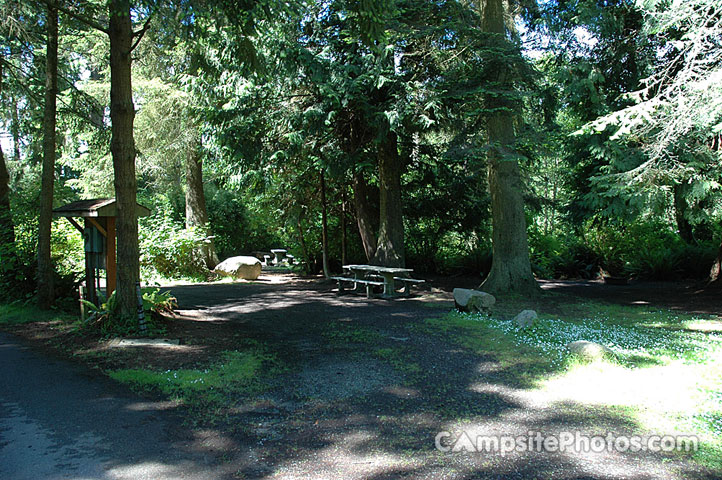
<point>468,300</point>
<point>525,318</point>
<point>589,350</point>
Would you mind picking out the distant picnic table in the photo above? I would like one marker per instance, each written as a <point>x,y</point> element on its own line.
<point>373,275</point>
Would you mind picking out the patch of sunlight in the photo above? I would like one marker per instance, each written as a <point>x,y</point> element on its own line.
<point>703,325</point>
<point>351,456</point>
<point>151,469</point>
<point>669,397</point>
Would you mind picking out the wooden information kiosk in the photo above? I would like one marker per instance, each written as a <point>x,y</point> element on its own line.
<point>99,237</point>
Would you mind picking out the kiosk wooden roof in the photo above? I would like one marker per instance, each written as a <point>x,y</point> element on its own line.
<point>98,207</point>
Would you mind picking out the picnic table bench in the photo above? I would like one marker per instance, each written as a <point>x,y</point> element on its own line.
<point>372,275</point>
<point>356,281</point>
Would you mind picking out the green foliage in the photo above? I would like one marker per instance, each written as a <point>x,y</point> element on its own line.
<point>104,320</point>
<point>210,390</point>
<point>656,354</point>
<point>642,249</point>
<point>169,249</point>
<point>235,371</point>
<point>646,250</point>
<point>157,302</point>
<point>343,334</point>
<point>270,94</point>
<point>21,312</point>
<point>237,228</point>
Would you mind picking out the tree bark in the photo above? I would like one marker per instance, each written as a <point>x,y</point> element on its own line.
<point>390,245</point>
<point>364,215</point>
<point>15,129</point>
<point>511,269</point>
<point>324,228</point>
<point>46,295</point>
<point>715,274</point>
<point>680,214</point>
<point>7,229</point>
<point>302,240</point>
<point>196,212</point>
<point>343,225</point>
<point>122,148</point>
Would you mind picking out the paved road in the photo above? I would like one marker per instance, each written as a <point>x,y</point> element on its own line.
<point>59,420</point>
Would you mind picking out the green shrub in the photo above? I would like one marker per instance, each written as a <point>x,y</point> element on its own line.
<point>561,256</point>
<point>657,264</point>
<point>170,250</point>
<point>649,250</point>
<point>645,250</point>
<point>543,251</point>
<point>575,260</point>
<point>696,260</point>
<point>104,320</point>
<point>68,250</point>
<point>157,302</point>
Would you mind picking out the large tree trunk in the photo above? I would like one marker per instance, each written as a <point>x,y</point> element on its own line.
<point>364,215</point>
<point>324,228</point>
<point>390,245</point>
<point>680,214</point>
<point>302,240</point>
<point>511,269</point>
<point>343,225</point>
<point>15,128</point>
<point>45,269</point>
<point>7,229</point>
<point>196,212</point>
<point>715,274</point>
<point>122,147</point>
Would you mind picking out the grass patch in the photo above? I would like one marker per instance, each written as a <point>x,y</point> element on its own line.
<point>522,365</point>
<point>399,359</point>
<point>666,370</point>
<point>210,391</point>
<point>18,313</point>
<point>340,334</point>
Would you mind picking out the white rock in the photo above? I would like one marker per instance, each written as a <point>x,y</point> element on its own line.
<point>525,318</point>
<point>473,300</point>
<point>247,268</point>
<point>589,350</point>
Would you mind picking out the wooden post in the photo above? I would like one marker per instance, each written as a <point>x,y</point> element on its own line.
<point>343,225</point>
<point>141,313</point>
<point>110,265</point>
<point>92,294</point>
<point>81,295</point>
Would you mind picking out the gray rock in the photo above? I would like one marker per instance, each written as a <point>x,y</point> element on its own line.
<point>247,268</point>
<point>525,319</point>
<point>468,300</point>
<point>589,350</point>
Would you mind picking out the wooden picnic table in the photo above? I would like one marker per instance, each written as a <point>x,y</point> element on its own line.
<point>360,272</point>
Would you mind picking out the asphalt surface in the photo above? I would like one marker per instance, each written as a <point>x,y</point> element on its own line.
<point>59,420</point>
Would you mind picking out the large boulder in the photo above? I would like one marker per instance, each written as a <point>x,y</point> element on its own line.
<point>247,268</point>
<point>468,300</point>
<point>525,318</point>
<point>589,350</point>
